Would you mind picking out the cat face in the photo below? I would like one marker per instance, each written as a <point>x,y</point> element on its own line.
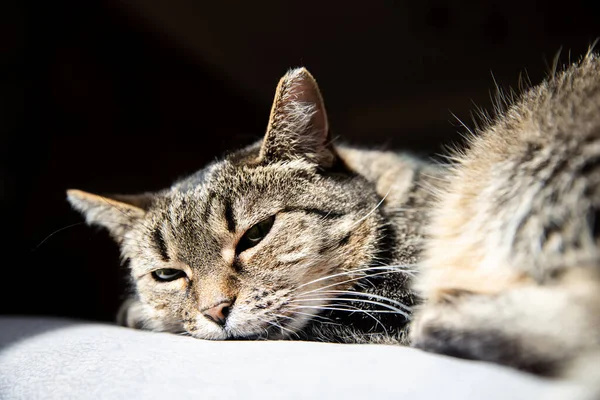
<point>253,245</point>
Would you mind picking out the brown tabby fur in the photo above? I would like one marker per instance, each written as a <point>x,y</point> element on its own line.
<point>510,268</point>
<point>511,271</point>
<point>336,264</point>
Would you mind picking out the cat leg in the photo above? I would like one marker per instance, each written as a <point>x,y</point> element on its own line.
<point>532,327</point>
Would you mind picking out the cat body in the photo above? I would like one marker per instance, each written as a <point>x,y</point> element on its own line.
<point>511,269</point>
<point>288,238</point>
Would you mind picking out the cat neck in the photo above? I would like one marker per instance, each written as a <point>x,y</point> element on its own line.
<point>406,185</point>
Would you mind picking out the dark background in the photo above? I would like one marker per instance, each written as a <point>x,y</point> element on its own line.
<point>126,96</point>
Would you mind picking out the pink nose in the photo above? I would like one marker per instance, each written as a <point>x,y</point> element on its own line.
<point>218,314</point>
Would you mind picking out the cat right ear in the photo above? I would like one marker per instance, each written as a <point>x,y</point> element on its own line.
<point>298,127</point>
<point>116,213</point>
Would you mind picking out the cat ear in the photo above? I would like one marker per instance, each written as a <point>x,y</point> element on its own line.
<point>298,127</point>
<point>116,213</point>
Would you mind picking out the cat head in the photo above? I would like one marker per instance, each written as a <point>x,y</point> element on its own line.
<point>255,244</point>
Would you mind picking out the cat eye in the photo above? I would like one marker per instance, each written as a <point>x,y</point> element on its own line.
<point>167,274</point>
<point>254,235</point>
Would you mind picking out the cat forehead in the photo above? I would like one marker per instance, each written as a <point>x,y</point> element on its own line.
<point>222,187</point>
<point>228,176</point>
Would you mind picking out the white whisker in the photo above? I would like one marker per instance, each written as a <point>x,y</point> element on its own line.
<point>394,267</point>
<point>375,296</point>
<point>372,211</point>
<point>312,315</point>
<point>318,318</point>
<point>284,316</point>
<point>346,309</point>
<point>395,309</point>
<point>282,328</point>
<point>371,316</point>
<point>353,279</point>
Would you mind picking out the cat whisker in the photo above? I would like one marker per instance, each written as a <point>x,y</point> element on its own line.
<point>322,320</point>
<point>55,232</point>
<point>314,316</point>
<point>283,316</point>
<point>387,270</point>
<point>292,319</point>
<point>326,299</point>
<point>372,211</point>
<point>370,295</point>
<point>346,281</point>
<point>282,328</point>
<point>368,313</point>
<point>352,272</point>
<point>352,309</point>
<point>346,309</point>
<point>265,329</point>
<point>287,330</point>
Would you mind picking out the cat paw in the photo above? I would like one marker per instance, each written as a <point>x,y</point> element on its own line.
<point>459,328</point>
<point>438,328</point>
<point>130,314</point>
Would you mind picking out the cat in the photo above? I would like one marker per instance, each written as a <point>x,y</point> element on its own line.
<point>494,257</point>
<point>289,238</point>
<point>510,270</point>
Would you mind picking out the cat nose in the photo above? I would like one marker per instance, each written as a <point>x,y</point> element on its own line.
<point>218,314</point>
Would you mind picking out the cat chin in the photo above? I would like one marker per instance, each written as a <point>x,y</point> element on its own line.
<point>248,330</point>
<point>225,334</point>
<point>209,335</point>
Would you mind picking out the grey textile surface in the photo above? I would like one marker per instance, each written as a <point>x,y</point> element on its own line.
<point>42,358</point>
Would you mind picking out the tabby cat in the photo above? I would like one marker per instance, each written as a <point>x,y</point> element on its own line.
<point>296,238</point>
<point>288,238</point>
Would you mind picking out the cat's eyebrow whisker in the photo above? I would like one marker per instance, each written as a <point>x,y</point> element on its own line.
<point>325,299</point>
<point>370,295</point>
<point>372,211</point>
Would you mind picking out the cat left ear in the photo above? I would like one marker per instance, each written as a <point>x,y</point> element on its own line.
<point>298,127</point>
<point>115,213</point>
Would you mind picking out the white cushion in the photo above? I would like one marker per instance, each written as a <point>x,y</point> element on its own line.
<point>43,358</point>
